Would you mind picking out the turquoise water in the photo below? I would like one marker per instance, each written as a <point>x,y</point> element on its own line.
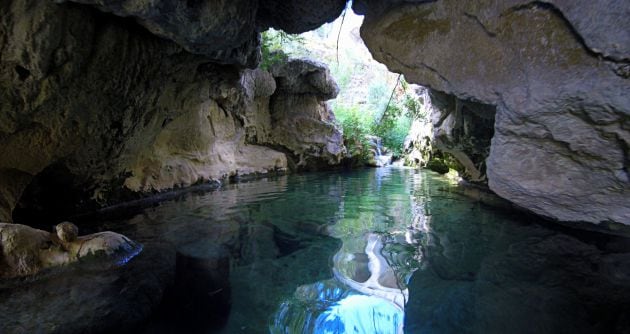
<point>386,250</point>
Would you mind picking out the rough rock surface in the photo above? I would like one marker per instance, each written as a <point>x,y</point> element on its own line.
<point>26,251</point>
<point>97,106</point>
<point>225,31</point>
<point>561,141</point>
<point>301,120</point>
<point>464,130</point>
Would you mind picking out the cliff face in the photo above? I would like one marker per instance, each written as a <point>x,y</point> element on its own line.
<point>557,74</point>
<point>96,109</point>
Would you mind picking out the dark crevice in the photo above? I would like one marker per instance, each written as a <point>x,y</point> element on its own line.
<point>52,196</point>
<point>22,72</point>
<point>483,27</point>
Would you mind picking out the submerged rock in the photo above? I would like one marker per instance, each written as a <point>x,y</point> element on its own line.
<point>87,299</point>
<point>27,251</point>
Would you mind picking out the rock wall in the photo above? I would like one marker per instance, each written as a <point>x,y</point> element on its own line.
<point>133,99</point>
<point>463,129</point>
<point>226,32</point>
<point>301,120</point>
<point>557,73</point>
<point>96,109</point>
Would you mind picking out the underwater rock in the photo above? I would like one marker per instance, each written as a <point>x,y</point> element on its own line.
<point>26,251</point>
<point>87,299</point>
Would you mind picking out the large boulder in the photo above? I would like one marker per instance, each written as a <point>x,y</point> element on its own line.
<point>557,73</point>
<point>301,120</point>
<point>26,251</point>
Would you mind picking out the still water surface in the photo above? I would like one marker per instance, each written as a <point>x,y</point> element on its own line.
<point>386,250</point>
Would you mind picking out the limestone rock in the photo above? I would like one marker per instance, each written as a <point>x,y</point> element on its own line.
<point>301,120</point>
<point>164,118</point>
<point>26,251</point>
<point>67,232</point>
<point>418,145</point>
<point>304,76</point>
<point>298,16</point>
<point>464,130</point>
<point>224,31</point>
<point>561,138</point>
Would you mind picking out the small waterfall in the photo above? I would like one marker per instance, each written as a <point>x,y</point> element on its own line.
<point>380,159</point>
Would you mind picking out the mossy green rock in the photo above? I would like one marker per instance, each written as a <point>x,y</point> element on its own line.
<point>437,166</point>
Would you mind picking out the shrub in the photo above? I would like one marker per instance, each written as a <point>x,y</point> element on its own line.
<point>356,126</point>
<point>273,46</point>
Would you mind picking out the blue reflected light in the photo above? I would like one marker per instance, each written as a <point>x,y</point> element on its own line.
<point>129,253</point>
<point>360,314</point>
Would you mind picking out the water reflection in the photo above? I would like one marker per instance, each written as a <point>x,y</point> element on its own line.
<point>379,253</point>
<point>375,251</point>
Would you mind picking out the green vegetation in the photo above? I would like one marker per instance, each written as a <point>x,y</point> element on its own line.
<point>277,46</point>
<point>372,101</point>
<point>389,122</point>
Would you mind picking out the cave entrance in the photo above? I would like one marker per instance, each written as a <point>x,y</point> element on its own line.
<point>379,110</point>
<point>375,108</point>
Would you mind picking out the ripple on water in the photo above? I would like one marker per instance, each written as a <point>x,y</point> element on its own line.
<point>374,251</point>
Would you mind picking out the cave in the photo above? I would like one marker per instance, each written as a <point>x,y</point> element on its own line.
<point>314,167</point>
<point>52,196</point>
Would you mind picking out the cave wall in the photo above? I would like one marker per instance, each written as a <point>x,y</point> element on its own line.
<point>119,111</point>
<point>557,73</point>
<point>464,130</point>
<point>149,95</point>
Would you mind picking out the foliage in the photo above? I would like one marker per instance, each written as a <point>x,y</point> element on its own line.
<point>277,46</point>
<point>393,129</point>
<point>394,123</point>
<point>342,74</point>
<point>389,122</point>
<point>356,126</point>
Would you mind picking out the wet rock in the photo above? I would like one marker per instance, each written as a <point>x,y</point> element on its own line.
<point>26,251</point>
<point>84,299</point>
<point>437,166</point>
<point>378,154</point>
<point>560,142</point>
<point>67,232</point>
